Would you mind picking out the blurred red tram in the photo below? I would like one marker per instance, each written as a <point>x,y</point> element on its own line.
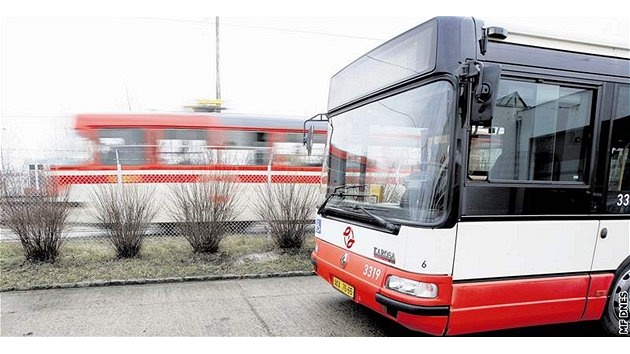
<point>159,149</point>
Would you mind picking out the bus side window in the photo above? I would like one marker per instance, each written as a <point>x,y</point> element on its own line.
<point>485,148</point>
<point>540,132</point>
<point>618,198</point>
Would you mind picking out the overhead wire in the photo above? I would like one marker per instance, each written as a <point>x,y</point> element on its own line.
<point>279,29</point>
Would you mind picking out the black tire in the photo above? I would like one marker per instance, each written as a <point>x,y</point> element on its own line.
<point>610,318</point>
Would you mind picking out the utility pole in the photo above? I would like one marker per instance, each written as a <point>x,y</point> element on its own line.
<point>216,104</point>
<point>218,77</point>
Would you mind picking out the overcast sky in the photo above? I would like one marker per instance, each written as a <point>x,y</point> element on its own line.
<point>268,65</point>
<point>55,67</point>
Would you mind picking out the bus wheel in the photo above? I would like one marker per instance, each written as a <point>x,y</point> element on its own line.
<point>615,318</point>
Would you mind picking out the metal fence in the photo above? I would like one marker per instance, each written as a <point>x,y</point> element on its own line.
<point>241,186</point>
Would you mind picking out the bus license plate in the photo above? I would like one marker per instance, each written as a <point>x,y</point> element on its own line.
<point>343,287</point>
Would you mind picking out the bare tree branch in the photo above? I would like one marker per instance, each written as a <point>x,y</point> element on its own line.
<point>125,213</point>
<point>38,217</point>
<point>287,210</point>
<point>204,210</point>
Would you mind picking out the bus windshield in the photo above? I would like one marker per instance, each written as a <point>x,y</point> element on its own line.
<point>390,157</point>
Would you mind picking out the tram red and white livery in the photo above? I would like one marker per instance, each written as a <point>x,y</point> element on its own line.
<point>158,149</point>
<point>512,166</point>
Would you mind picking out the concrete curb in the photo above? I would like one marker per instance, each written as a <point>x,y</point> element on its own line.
<point>114,282</point>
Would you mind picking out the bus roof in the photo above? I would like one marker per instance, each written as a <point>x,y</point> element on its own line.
<point>572,45</point>
<point>527,55</point>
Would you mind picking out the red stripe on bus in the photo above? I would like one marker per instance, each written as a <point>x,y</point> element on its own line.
<point>487,306</point>
<point>597,296</point>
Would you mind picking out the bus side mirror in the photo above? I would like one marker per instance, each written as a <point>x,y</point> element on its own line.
<point>308,139</point>
<point>485,95</point>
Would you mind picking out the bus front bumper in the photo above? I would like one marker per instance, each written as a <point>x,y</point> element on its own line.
<point>366,278</point>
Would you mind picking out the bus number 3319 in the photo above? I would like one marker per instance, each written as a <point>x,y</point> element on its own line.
<point>485,183</point>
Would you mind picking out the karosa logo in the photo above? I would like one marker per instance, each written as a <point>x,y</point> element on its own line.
<point>385,255</point>
<point>348,237</point>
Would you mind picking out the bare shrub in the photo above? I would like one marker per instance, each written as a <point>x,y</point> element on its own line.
<point>38,217</point>
<point>287,211</point>
<point>124,212</point>
<point>203,211</point>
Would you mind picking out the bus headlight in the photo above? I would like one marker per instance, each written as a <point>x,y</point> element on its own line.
<point>412,287</point>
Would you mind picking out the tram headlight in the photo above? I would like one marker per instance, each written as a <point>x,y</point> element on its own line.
<point>412,287</point>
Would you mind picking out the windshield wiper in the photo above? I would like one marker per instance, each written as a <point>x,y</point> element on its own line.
<point>388,225</point>
<point>337,193</point>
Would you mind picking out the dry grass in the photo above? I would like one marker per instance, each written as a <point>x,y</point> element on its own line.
<point>95,260</point>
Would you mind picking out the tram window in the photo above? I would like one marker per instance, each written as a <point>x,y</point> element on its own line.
<point>129,143</point>
<point>539,132</point>
<point>244,148</point>
<point>299,138</point>
<point>291,150</point>
<point>319,139</point>
<point>292,138</point>
<point>618,198</point>
<point>184,147</point>
<point>261,156</point>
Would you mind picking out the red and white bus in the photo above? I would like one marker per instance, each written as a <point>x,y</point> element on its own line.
<point>510,166</point>
<point>158,149</point>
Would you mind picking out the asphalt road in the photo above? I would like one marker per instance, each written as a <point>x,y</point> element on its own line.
<point>286,307</point>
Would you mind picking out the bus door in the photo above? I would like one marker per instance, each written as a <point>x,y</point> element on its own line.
<point>613,241</point>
